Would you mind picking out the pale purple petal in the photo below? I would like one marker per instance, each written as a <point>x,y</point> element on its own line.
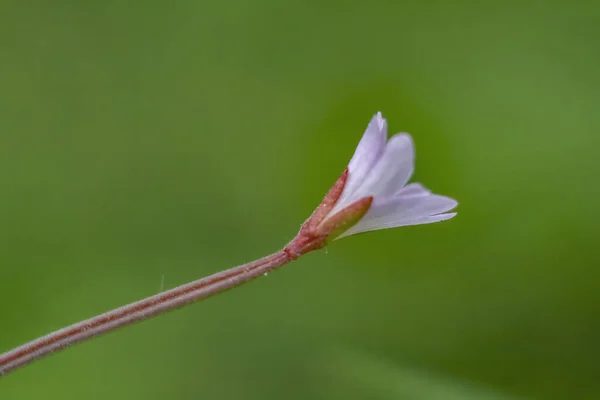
<point>368,151</point>
<point>402,211</point>
<point>410,206</point>
<point>393,169</point>
<point>413,189</point>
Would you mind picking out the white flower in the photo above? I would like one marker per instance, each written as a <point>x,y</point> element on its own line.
<point>381,168</point>
<point>372,194</point>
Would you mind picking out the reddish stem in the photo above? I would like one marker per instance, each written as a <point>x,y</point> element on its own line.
<point>143,309</point>
<point>311,237</point>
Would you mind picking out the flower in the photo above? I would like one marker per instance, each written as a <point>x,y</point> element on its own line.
<point>380,168</point>
<point>373,194</point>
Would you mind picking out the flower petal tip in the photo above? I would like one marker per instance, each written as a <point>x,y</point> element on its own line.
<point>381,122</point>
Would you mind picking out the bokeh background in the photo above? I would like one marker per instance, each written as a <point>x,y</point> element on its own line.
<point>145,142</point>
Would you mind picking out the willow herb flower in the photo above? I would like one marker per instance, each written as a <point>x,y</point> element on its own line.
<point>373,193</point>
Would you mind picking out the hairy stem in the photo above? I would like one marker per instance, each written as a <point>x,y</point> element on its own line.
<point>143,309</point>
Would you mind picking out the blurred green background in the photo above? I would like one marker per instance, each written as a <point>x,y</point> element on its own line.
<point>145,141</point>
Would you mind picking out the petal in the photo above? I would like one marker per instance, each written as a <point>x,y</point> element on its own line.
<point>403,211</point>
<point>368,151</point>
<point>413,189</point>
<point>410,206</point>
<point>392,170</point>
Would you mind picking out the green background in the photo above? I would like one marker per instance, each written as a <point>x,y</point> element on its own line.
<point>144,141</point>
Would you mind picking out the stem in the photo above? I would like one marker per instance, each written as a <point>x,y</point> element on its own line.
<point>311,237</point>
<point>143,309</point>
